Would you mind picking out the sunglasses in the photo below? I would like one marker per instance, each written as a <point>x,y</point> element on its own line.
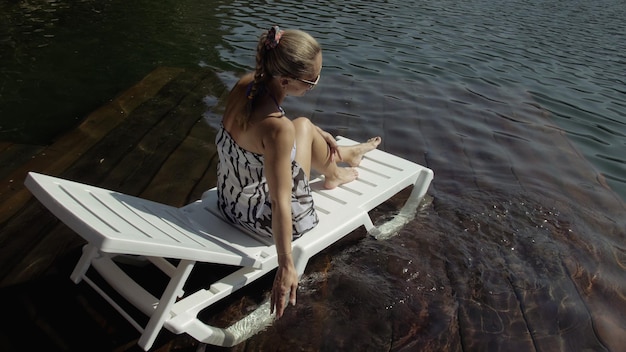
<point>311,84</point>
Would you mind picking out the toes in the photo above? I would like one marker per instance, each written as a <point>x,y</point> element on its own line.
<point>374,140</point>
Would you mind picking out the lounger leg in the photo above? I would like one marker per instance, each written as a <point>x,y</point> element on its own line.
<point>408,210</point>
<point>367,222</point>
<point>419,191</point>
<point>89,252</point>
<point>164,307</point>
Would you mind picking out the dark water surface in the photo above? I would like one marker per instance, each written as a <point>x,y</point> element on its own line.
<point>517,106</point>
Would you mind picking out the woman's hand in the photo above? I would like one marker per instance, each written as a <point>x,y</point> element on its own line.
<point>332,145</point>
<point>285,285</point>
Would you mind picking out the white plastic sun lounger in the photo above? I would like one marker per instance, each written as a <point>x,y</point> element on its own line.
<point>115,224</point>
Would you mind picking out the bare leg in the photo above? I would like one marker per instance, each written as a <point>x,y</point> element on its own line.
<point>312,152</point>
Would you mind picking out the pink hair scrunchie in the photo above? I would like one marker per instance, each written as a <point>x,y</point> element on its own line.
<point>273,37</point>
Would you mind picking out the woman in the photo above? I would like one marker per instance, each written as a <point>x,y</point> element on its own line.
<point>265,159</point>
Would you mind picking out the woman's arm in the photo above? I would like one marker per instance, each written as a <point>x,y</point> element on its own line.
<point>277,143</point>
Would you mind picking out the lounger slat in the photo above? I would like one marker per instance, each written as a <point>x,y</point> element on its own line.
<point>340,194</point>
<point>379,168</point>
<point>327,204</point>
<point>128,221</point>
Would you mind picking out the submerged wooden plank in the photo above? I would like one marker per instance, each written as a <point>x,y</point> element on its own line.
<point>136,170</point>
<point>13,155</point>
<point>70,147</point>
<point>131,154</point>
<point>190,168</point>
<point>188,172</point>
<point>126,153</point>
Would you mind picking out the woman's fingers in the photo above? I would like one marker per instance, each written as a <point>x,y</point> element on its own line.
<point>278,304</point>
<point>292,295</point>
<point>281,295</point>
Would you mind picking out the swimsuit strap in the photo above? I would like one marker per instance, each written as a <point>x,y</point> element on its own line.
<point>280,108</point>
<point>249,90</point>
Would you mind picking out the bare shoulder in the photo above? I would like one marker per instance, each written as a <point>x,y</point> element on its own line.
<point>277,132</point>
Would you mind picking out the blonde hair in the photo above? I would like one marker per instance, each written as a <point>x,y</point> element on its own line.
<point>289,53</point>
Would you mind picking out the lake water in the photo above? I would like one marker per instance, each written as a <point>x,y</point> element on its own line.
<point>518,107</point>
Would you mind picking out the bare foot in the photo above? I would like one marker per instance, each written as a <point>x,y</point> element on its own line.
<point>352,155</point>
<point>341,175</point>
